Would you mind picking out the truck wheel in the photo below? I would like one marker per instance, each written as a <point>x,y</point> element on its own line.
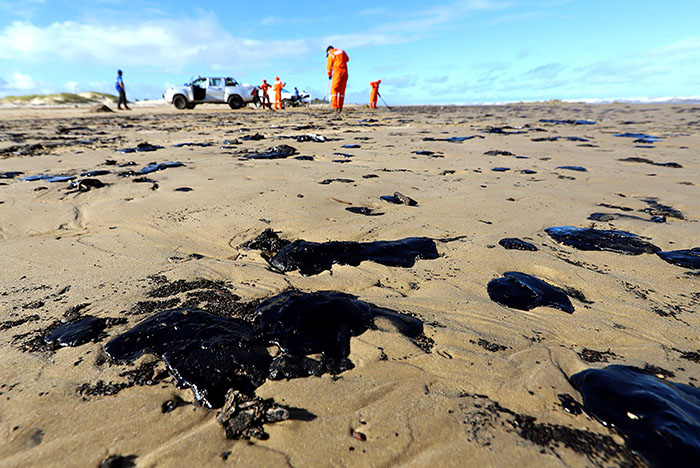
<point>180,102</point>
<point>286,103</point>
<point>235,102</point>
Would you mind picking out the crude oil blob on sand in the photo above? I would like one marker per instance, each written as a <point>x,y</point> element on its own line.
<point>659,418</point>
<point>594,239</point>
<point>525,292</point>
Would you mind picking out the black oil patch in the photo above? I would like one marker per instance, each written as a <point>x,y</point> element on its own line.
<point>212,353</point>
<point>659,419</point>
<point>594,239</point>
<point>683,258</point>
<point>151,167</point>
<point>363,210</point>
<point>76,332</point>
<point>199,145</point>
<point>275,152</point>
<point>311,258</point>
<point>649,161</point>
<point>203,351</point>
<point>119,461</point>
<point>524,292</point>
<point>569,121</point>
<point>268,242</point>
<point>657,209</point>
<point>513,243</point>
<point>140,148</point>
<point>573,168</point>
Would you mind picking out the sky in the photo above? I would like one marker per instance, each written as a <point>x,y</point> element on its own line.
<point>440,52</point>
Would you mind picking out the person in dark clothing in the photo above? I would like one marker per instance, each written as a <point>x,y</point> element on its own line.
<point>122,91</point>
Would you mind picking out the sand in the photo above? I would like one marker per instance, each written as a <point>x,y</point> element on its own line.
<point>107,247</point>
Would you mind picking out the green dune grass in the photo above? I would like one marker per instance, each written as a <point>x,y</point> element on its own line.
<point>60,98</point>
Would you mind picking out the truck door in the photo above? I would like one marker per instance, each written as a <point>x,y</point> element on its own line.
<point>215,90</point>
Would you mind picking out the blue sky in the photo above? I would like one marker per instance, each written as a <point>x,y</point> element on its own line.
<point>468,51</point>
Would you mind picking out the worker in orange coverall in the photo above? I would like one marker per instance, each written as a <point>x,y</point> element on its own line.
<point>278,92</point>
<point>265,98</point>
<point>374,94</point>
<point>337,71</point>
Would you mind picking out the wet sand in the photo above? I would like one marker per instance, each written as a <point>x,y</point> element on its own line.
<point>487,385</point>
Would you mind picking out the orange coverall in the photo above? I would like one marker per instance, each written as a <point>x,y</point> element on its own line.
<point>338,70</point>
<point>278,93</point>
<point>374,93</point>
<point>265,99</point>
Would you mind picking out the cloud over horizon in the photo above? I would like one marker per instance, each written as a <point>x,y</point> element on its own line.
<point>503,49</point>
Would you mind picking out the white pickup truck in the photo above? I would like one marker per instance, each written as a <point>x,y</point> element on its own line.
<point>216,90</point>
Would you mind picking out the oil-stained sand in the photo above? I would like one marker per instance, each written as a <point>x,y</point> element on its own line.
<point>486,383</point>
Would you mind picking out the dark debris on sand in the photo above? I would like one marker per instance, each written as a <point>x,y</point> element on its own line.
<point>147,374</point>
<point>483,418</point>
<point>658,209</point>
<point>243,415</point>
<point>399,198</point>
<point>489,346</point>
<point>591,355</point>
<point>274,152</point>
<point>363,210</point>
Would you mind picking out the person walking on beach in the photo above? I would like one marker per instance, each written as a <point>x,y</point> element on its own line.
<point>265,97</point>
<point>278,92</point>
<point>374,93</point>
<point>337,68</point>
<point>122,91</point>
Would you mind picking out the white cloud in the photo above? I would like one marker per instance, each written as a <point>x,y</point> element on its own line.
<point>17,83</point>
<point>170,45</point>
<point>682,50</point>
<point>21,81</point>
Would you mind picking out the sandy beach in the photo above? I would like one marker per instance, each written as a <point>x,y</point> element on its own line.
<point>481,383</point>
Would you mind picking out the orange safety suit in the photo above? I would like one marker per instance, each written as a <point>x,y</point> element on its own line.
<point>338,71</point>
<point>265,99</point>
<point>278,93</point>
<point>374,93</point>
